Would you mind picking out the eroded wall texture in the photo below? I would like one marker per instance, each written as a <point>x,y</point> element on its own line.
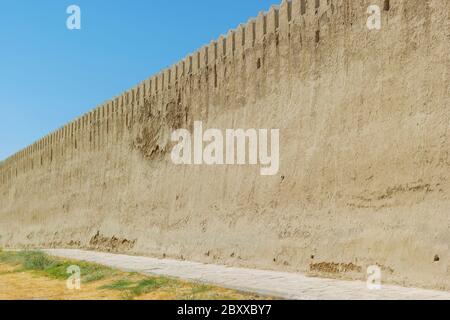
<point>364,148</point>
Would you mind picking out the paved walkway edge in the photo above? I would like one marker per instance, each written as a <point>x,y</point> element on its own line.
<point>271,283</point>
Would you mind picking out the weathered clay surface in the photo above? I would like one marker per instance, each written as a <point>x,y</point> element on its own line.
<point>364,176</point>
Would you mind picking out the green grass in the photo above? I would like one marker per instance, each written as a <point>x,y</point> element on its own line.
<point>96,276</point>
<point>201,288</point>
<point>54,267</point>
<point>122,284</point>
<point>148,285</point>
<point>131,285</point>
<point>132,289</point>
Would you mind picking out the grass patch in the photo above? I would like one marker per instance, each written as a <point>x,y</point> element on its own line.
<point>54,268</point>
<point>95,276</point>
<point>135,288</point>
<point>149,285</point>
<point>122,284</point>
<point>201,288</point>
<point>131,285</point>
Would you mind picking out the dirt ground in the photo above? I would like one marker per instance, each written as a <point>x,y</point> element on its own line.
<point>16,284</point>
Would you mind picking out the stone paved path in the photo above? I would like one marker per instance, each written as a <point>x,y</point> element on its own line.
<point>278,284</point>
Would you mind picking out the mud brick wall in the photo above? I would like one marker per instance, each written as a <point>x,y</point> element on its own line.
<point>364,157</point>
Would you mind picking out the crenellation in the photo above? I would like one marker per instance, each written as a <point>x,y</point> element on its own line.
<point>102,112</point>
<point>204,57</point>
<point>176,72</point>
<point>189,67</point>
<point>110,108</point>
<point>136,102</point>
<point>94,127</point>
<point>295,9</point>
<point>230,43</point>
<point>133,96</point>
<point>129,108</point>
<point>100,126</point>
<point>106,122</point>
<point>151,86</point>
<point>83,122</point>
<point>159,83</point>
<point>67,130</point>
<point>273,20</point>
<point>285,17</point>
<point>63,134</point>
<point>144,90</point>
<point>161,86</point>
<point>72,128</point>
<point>261,27</point>
<point>222,47</point>
<point>140,94</point>
<point>173,75</point>
<point>127,100</point>
<point>240,38</point>
<point>167,78</point>
<point>121,105</point>
<point>116,102</point>
<point>212,52</point>
<point>155,87</point>
<point>250,34</point>
<point>182,69</point>
<point>196,62</point>
<point>97,128</point>
<point>163,82</point>
<point>304,6</point>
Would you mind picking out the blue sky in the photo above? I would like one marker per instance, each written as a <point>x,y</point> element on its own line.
<point>50,75</point>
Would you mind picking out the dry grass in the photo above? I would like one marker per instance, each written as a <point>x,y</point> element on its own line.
<point>33,275</point>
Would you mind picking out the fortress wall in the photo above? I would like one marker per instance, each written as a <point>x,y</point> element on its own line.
<point>364,152</point>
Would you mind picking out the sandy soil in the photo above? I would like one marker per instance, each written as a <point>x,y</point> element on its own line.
<point>30,286</point>
<point>19,285</point>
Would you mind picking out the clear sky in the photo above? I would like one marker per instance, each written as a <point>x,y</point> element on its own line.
<point>50,75</point>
